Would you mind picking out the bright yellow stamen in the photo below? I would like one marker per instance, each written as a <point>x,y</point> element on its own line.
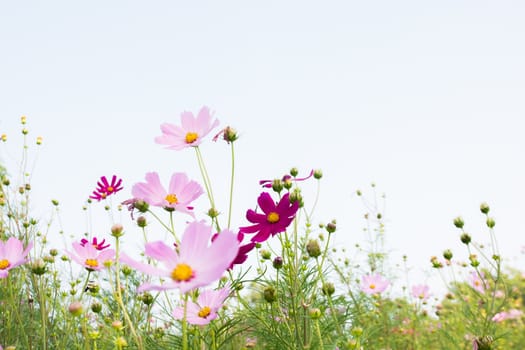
<point>92,263</point>
<point>109,189</point>
<point>191,137</point>
<point>4,264</point>
<point>273,217</point>
<point>182,272</point>
<point>372,286</point>
<point>204,312</point>
<point>172,198</point>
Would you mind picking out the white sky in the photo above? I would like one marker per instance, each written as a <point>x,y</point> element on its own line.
<point>425,98</point>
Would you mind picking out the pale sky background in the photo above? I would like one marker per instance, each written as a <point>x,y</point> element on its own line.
<point>424,98</point>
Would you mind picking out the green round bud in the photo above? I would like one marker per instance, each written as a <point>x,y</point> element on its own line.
<point>76,308</point>
<point>278,262</point>
<point>117,230</point>
<point>213,213</point>
<point>458,222</point>
<point>277,185</point>
<point>126,270</point>
<point>447,254</point>
<point>318,174</point>
<point>96,307</point>
<point>315,313</point>
<point>38,267</point>
<point>141,206</point>
<point>269,294</point>
<point>147,298</point>
<point>313,249</point>
<point>141,221</point>
<point>328,289</point>
<point>331,227</point>
<point>491,222</point>
<point>266,254</point>
<point>465,238</point>
<point>294,171</point>
<point>484,207</point>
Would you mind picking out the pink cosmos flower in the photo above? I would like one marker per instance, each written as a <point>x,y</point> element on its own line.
<point>205,309</point>
<point>12,254</point>
<point>285,178</point>
<point>421,291</point>
<point>94,242</point>
<point>190,133</point>
<point>276,217</point>
<point>105,188</point>
<point>512,314</point>
<point>477,282</point>
<point>181,192</point>
<point>374,284</point>
<point>90,257</point>
<point>196,262</point>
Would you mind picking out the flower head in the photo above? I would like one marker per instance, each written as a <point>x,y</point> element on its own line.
<point>374,284</point>
<point>196,262</point>
<point>190,133</point>
<point>90,256</point>
<point>95,243</point>
<point>205,309</point>
<point>275,217</point>
<point>477,281</point>
<point>421,291</point>
<point>105,188</point>
<point>181,192</point>
<point>12,254</point>
<point>512,314</point>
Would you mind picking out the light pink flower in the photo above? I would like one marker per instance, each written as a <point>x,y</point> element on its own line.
<point>181,192</point>
<point>12,254</point>
<point>190,133</point>
<point>205,309</point>
<point>421,291</point>
<point>90,257</point>
<point>477,281</point>
<point>196,262</point>
<point>512,314</point>
<point>374,284</point>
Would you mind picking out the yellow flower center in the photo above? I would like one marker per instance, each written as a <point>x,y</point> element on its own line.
<point>204,312</point>
<point>191,137</point>
<point>182,273</point>
<point>272,218</point>
<point>92,263</point>
<point>4,264</point>
<point>103,195</point>
<point>172,198</point>
<point>372,286</point>
<point>110,189</point>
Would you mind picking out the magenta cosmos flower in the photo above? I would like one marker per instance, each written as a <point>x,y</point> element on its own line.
<point>12,254</point>
<point>106,188</point>
<point>90,257</point>
<point>95,243</point>
<point>275,217</point>
<point>205,309</point>
<point>181,192</point>
<point>421,291</point>
<point>196,262</point>
<point>374,284</point>
<point>190,133</point>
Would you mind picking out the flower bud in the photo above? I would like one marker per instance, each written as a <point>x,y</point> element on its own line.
<point>120,342</point>
<point>147,298</point>
<point>117,325</point>
<point>230,134</point>
<point>266,254</point>
<point>294,171</point>
<point>315,313</point>
<point>270,294</point>
<point>96,307</point>
<point>126,270</point>
<point>141,206</point>
<point>447,254</point>
<point>491,222</point>
<point>278,262</point>
<point>458,222</point>
<point>213,213</point>
<point>141,221</point>
<point>318,174</point>
<point>465,238</point>
<point>39,140</point>
<point>328,289</point>
<point>25,131</point>
<point>38,267</point>
<point>277,185</point>
<point>484,208</point>
<point>76,308</point>
<point>23,120</point>
<point>331,227</point>
<point>313,248</point>
<point>3,137</point>
<point>117,230</point>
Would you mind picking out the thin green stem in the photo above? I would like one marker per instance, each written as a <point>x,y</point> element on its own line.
<point>185,324</point>
<point>230,206</point>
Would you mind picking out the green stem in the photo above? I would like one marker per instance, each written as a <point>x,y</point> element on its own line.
<point>185,324</point>
<point>231,185</point>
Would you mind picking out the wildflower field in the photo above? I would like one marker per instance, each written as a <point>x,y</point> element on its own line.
<point>275,281</point>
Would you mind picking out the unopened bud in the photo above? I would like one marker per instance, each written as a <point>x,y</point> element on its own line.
<point>465,238</point>
<point>313,248</point>
<point>458,222</point>
<point>39,140</point>
<point>141,206</point>
<point>121,342</point>
<point>277,185</point>
<point>141,221</point>
<point>117,230</point>
<point>318,174</point>
<point>75,308</point>
<point>266,254</point>
<point>213,213</point>
<point>491,222</point>
<point>278,262</point>
<point>447,254</point>
<point>331,227</point>
<point>328,288</point>
<point>38,267</point>
<point>4,137</point>
<point>484,208</point>
<point>230,134</point>
<point>270,294</point>
<point>315,313</point>
<point>294,171</point>
<point>96,307</point>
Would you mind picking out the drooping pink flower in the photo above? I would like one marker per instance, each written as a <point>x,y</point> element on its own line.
<point>285,178</point>
<point>95,243</point>
<point>512,314</point>
<point>190,133</point>
<point>421,291</point>
<point>90,257</point>
<point>12,254</point>
<point>195,263</point>
<point>242,254</point>
<point>477,281</point>
<point>374,284</point>
<point>105,188</point>
<point>276,217</point>
<point>205,309</point>
<point>181,192</point>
